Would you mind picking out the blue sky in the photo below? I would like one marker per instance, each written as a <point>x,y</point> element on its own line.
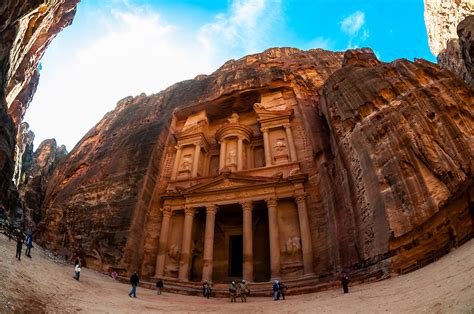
<point>117,48</point>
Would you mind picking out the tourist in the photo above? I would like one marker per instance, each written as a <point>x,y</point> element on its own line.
<point>134,280</point>
<point>114,275</point>
<point>11,228</point>
<point>159,286</point>
<point>345,281</point>
<point>29,243</point>
<point>19,246</point>
<point>283,289</point>
<point>206,289</point>
<point>276,290</point>
<point>77,271</point>
<point>244,290</point>
<point>233,291</point>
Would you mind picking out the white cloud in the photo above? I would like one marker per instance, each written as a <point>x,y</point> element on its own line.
<point>132,50</point>
<point>321,42</point>
<point>248,27</point>
<point>352,25</point>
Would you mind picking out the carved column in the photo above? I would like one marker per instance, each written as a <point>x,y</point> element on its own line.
<point>163,245</point>
<point>240,152</point>
<point>291,142</point>
<point>209,242</point>
<point>266,147</point>
<point>248,241</point>
<point>222,155</point>
<point>274,235</point>
<point>305,234</point>
<point>197,153</point>
<point>186,244</point>
<point>176,163</point>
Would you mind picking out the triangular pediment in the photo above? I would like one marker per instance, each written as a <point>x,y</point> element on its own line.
<point>232,181</point>
<point>265,113</point>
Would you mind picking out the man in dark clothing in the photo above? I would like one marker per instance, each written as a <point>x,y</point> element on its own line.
<point>159,286</point>
<point>276,290</point>
<point>134,280</point>
<point>29,243</point>
<point>11,228</point>
<point>345,281</point>
<point>19,246</point>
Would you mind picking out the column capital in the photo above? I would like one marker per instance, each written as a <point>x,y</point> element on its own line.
<point>248,205</point>
<point>189,211</point>
<point>272,202</point>
<point>265,129</point>
<point>286,125</point>
<point>300,197</point>
<point>166,211</point>
<point>211,209</point>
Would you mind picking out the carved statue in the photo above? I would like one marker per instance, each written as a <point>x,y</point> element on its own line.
<point>293,245</point>
<point>231,157</point>
<point>174,252</point>
<point>234,118</point>
<point>186,164</point>
<point>280,145</point>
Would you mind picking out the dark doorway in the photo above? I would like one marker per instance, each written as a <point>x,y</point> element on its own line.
<point>235,255</point>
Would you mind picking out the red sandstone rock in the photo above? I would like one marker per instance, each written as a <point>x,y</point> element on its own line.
<point>387,152</point>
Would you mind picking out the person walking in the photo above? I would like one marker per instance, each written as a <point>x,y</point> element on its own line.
<point>244,290</point>
<point>345,282</point>
<point>77,271</point>
<point>11,228</point>
<point>283,289</point>
<point>206,289</point>
<point>233,291</point>
<point>19,246</point>
<point>276,290</point>
<point>159,286</point>
<point>29,243</point>
<point>134,280</point>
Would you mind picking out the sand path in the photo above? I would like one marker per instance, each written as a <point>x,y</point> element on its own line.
<point>44,284</point>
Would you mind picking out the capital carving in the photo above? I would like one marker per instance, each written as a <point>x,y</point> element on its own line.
<point>272,202</point>
<point>300,198</point>
<point>189,211</point>
<point>211,209</point>
<point>166,211</point>
<point>247,206</point>
<point>286,125</point>
<point>264,129</point>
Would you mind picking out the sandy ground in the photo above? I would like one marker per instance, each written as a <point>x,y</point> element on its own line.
<point>44,284</point>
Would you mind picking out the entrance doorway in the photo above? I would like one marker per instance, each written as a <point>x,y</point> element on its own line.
<point>235,255</point>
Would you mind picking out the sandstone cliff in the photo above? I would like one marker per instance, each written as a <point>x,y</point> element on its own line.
<point>26,29</point>
<point>449,39</point>
<point>390,163</point>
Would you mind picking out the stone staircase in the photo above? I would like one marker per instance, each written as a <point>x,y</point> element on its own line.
<point>260,289</point>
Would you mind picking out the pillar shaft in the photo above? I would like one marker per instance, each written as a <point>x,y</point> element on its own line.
<point>305,235</point>
<point>163,245</point>
<point>240,152</point>
<point>197,153</point>
<point>176,163</point>
<point>209,242</point>
<point>186,244</point>
<point>274,235</point>
<point>291,142</point>
<point>267,148</point>
<point>222,155</point>
<point>248,241</point>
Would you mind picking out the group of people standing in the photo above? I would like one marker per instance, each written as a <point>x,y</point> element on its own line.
<point>279,290</point>
<point>20,239</point>
<point>238,290</point>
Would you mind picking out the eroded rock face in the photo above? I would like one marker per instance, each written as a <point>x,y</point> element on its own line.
<point>38,168</point>
<point>388,154</point>
<point>26,29</point>
<point>401,139</point>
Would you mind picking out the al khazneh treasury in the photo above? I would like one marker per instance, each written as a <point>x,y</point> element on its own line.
<point>233,193</point>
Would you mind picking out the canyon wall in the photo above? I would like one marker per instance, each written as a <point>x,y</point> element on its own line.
<point>26,29</point>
